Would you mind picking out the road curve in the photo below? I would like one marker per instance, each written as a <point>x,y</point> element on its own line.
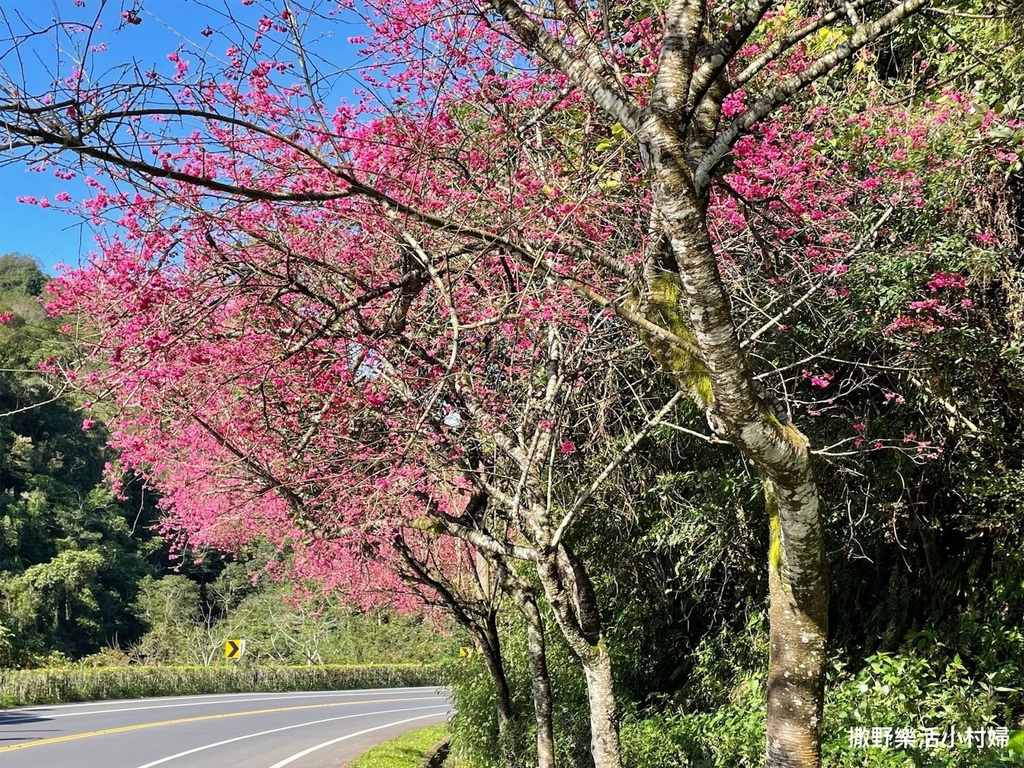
<point>321,729</point>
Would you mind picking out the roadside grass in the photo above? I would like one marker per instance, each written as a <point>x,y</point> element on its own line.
<point>406,751</point>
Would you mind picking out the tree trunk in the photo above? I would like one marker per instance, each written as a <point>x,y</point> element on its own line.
<point>739,413</point>
<point>604,722</point>
<point>479,618</point>
<point>572,603</point>
<point>539,680</point>
<point>798,617</point>
<point>490,648</point>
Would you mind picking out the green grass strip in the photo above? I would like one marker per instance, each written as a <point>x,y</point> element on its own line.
<point>406,751</point>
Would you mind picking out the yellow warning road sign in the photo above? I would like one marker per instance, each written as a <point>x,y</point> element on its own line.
<point>234,648</point>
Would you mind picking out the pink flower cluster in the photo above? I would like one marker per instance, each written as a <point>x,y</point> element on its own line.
<point>821,380</point>
<point>941,280</point>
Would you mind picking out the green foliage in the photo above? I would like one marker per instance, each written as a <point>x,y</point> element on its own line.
<point>473,724</point>
<point>406,751</point>
<point>106,657</point>
<point>891,690</point>
<point>20,277</point>
<point>732,736</point>
<point>719,715</point>
<point>188,622</point>
<point>171,609</point>
<point>653,741</point>
<point>52,686</point>
<point>282,628</point>
<point>922,687</point>
<point>70,552</point>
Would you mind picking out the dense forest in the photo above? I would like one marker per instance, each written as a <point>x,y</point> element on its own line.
<point>672,351</point>
<point>69,563</point>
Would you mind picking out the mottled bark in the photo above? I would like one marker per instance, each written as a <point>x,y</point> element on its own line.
<point>541,686</point>
<point>564,579</point>
<point>798,583</point>
<point>540,682</point>
<point>604,721</point>
<point>572,603</point>
<point>798,615</point>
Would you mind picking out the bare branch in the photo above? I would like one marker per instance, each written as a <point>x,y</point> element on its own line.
<point>773,323</point>
<point>772,52</point>
<point>620,456</point>
<point>536,38</point>
<point>717,58</point>
<point>793,84</point>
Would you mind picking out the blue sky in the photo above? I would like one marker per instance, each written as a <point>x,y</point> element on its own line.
<point>48,235</point>
<point>166,25</point>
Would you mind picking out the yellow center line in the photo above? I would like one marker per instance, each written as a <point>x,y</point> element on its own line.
<point>194,719</point>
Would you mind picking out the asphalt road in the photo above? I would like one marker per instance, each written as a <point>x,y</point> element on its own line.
<point>237,730</point>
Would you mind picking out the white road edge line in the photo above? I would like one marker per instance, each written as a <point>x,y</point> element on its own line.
<point>288,728</point>
<point>303,753</point>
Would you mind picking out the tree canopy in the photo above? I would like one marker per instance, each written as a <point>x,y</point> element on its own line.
<point>431,340</point>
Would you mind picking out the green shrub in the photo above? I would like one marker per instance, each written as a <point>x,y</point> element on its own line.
<point>653,741</point>
<point>474,727</point>
<point>916,688</point>
<point>474,723</point>
<point>51,686</point>
<point>105,657</point>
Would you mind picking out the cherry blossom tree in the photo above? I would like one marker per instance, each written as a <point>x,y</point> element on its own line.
<point>326,318</point>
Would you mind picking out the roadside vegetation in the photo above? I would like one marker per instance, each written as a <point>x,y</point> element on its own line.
<point>69,684</point>
<point>410,750</point>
